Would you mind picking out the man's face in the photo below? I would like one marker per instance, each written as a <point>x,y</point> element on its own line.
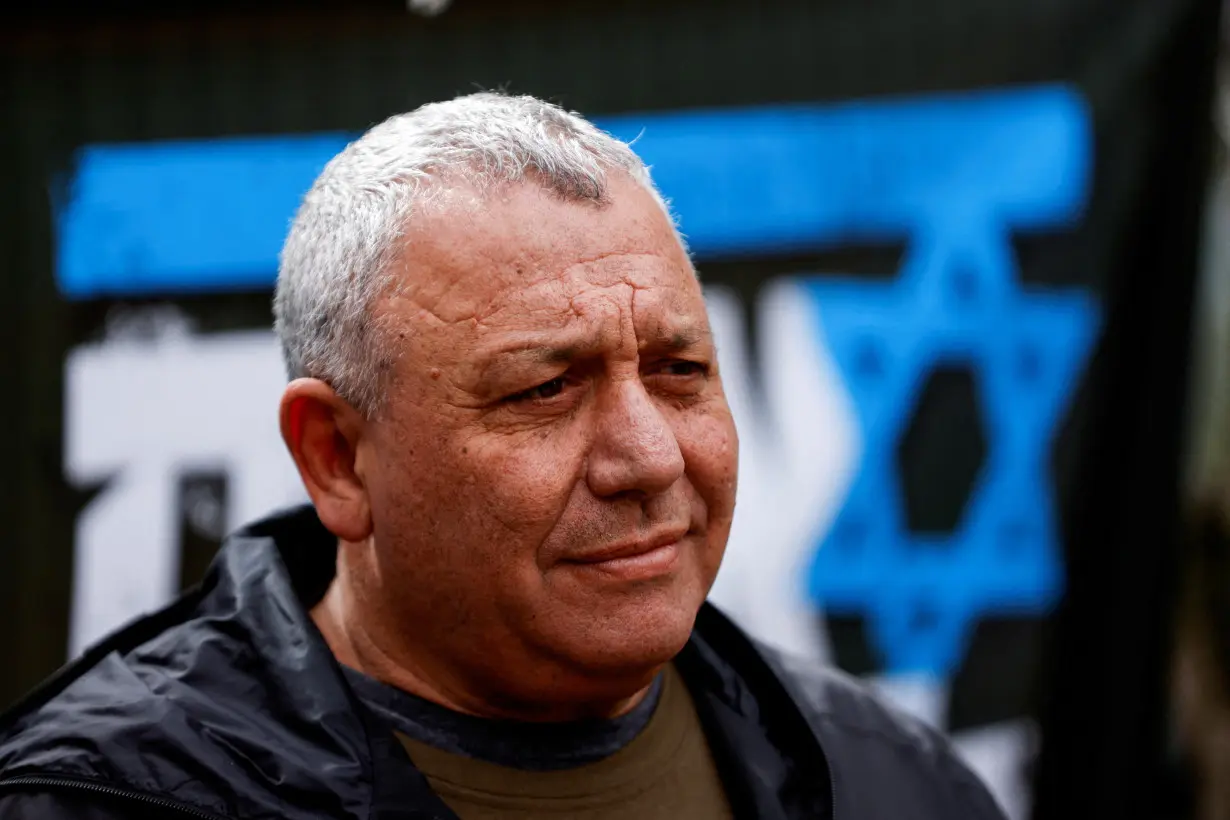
<point>553,479</point>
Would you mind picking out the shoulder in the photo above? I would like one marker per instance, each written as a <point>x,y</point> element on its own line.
<point>192,707</point>
<point>121,722</point>
<point>866,739</point>
<point>830,695</point>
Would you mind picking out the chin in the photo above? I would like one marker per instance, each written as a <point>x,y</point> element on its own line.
<point>633,639</point>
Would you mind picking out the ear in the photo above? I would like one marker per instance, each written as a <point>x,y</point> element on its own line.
<point>323,432</point>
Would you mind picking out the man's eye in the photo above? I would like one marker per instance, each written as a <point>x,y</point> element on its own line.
<point>544,391</point>
<point>685,368</point>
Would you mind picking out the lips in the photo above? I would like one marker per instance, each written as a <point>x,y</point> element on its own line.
<point>630,549</point>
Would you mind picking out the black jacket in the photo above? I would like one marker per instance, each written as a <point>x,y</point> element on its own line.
<point>228,704</point>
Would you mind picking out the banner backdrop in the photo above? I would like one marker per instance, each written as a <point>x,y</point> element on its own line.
<point>911,226</point>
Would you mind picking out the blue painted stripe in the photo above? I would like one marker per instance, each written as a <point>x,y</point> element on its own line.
<point>203,215</point>
<point>211,215</point>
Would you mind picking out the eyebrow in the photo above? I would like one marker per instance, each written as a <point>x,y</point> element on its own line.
<point>677,339</point>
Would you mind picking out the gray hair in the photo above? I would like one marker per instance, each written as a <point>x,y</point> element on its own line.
<point>337,257</point>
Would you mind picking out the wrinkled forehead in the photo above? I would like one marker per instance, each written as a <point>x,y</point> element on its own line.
<point>523,249</point>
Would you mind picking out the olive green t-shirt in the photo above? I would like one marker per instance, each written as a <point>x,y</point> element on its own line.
<point>666,772</point>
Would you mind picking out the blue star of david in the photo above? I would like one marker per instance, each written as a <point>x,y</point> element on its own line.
<point>956,301</point>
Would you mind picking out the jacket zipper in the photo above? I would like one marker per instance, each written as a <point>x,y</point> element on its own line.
<point>110,791</point>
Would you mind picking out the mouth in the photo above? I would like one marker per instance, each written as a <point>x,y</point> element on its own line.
<point>630,549</point>
<point>640,559</point>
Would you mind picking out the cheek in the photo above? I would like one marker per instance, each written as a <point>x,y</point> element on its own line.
<point>710,447</point>
<point>710,441</point>
<point>522,482</point>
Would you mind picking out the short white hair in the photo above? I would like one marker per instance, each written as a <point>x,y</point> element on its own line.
<point>336,258</point>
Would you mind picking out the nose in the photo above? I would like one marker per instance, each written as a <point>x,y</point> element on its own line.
<point>634,448</point>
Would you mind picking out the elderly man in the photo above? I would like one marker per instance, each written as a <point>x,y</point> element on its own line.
<point>507,411</point>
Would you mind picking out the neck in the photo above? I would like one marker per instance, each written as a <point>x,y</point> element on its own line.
<point>359,647</point>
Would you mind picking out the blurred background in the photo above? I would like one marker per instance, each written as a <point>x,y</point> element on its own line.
<point>966,260</point>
